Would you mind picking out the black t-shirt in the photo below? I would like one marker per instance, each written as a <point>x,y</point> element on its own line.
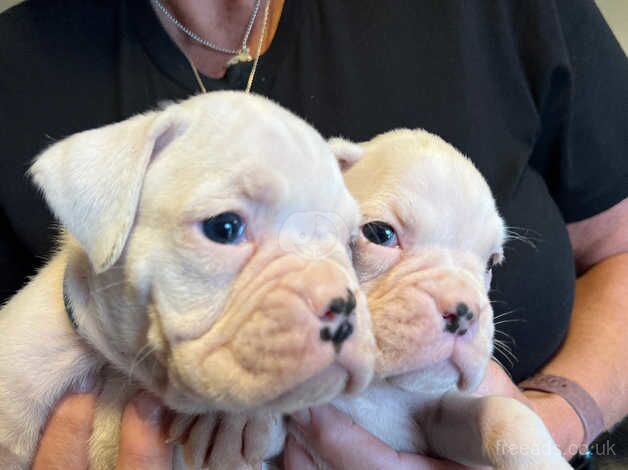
<point>534,92</point>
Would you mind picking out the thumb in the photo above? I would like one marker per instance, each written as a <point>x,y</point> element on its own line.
<point>339,441</point>
<point>64,443</point>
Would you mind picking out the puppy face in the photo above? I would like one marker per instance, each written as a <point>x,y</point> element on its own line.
<point>235,282</point>
<point>430,235</point>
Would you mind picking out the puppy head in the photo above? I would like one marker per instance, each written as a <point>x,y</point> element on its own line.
<point>217,232</point>
<point>430,235</point>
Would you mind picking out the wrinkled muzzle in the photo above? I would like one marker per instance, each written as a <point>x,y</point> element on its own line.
<point>431,323</point>
<point>294,332</point>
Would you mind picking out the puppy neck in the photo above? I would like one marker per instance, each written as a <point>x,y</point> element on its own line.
<point>82,311</point>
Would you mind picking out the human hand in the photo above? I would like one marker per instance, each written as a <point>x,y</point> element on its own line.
<point>222,439</point>
<point>559,417</point>
<point>343,444</point>
<point>497,382</point>
<point>338,440</point>
<point>64,444</point>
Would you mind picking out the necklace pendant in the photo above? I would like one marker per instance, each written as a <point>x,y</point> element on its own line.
<point>243,55</point>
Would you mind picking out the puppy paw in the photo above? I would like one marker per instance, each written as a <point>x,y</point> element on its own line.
<point>223,440</point>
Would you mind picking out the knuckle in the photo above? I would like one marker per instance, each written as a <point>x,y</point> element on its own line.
<point>73,422</point>
<point>326,439</point>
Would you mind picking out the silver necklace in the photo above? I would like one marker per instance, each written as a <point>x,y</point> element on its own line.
<point>238,55</point>
<point>249,82</point>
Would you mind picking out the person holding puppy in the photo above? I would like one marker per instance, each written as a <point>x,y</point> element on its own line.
<point>535,93</point>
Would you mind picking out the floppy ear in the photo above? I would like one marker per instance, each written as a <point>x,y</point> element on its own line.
<point>347,153</point>
<point>92,181</point>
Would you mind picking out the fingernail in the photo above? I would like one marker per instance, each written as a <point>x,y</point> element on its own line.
<point>85,384</point>
<point>148,407</point>
<point>302,417</point>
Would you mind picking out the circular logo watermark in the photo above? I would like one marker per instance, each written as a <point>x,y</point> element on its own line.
<point>313,234</point>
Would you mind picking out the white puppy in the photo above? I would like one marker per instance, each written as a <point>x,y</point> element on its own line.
<point>430,235</point>
<point>184,272</point>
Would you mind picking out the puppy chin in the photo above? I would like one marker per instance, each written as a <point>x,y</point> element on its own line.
<point>439,379</point>
<point>436,379</point>
<point>337,379</point>
<point>319,389</point>
<point>455,363</point>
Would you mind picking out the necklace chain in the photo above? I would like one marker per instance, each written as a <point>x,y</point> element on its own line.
<point>249,83</point>
<point>260,43</point>
<point>241,53</point>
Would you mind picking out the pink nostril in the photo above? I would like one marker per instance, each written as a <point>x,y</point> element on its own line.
<point>329,316</point>
<point>450,317</point>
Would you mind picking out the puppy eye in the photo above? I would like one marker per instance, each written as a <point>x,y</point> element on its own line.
<point>225,228</point>
<point>380,233</point>
<point>492,261</point>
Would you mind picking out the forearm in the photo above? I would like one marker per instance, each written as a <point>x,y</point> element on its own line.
<point>595,352</point>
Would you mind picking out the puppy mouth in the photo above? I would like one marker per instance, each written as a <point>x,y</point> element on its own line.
<point>332,378</point>
<point>266,364</point>
<point>419,344</point>
<point>459,363</point>
<point>321,388</point>
<point>318,389</point>
<point>443,375</point>
<point>284,331</point>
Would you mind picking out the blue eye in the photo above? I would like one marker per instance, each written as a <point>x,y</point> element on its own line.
<point>225,228</point>
<point>380,233</point>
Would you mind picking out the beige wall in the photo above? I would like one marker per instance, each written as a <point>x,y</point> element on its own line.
<point>4,4</point>
<point>615,11</point>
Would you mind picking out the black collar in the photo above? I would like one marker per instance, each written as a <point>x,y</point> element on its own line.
<point>69,310</point>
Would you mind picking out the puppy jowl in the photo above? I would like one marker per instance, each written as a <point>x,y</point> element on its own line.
<point>193,269</point>
<point>429,238</point>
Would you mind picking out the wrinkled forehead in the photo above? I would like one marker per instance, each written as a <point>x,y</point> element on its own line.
<point>236,128</point>
<point>259,153</point>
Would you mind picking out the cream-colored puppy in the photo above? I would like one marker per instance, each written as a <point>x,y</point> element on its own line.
<point>185,272</point>
<point>430,236</point>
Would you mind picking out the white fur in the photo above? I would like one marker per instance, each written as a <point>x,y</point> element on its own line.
<point>229,332</point>
<point>448,227</point>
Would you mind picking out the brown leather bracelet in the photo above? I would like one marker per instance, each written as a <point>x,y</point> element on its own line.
<point>583,404</point>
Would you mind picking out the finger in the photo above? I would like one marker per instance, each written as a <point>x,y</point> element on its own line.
<point>64,444</point>
<point>345,445</point>
<point>295,457</point>
<point>199,439</point>
<point>226,451</point>
<point>142,442</point>
<point>496,381</point>
<point>179,427</point>
<point>256,438</point>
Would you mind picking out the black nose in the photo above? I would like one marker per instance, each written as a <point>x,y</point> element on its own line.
<point>459,321</point>
<point>340,334</point>
<point>338,326</point>
<point>344,306</point>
